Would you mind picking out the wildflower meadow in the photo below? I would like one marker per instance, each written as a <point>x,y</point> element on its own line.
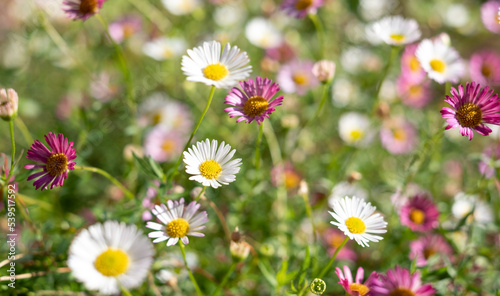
<point>232,147</point>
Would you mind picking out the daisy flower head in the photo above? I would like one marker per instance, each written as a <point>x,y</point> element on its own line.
<point>356,287</point>
<point>297,77</point>
<point>124,28</point>
<point>210,164</point>
<point>484,67</point>
<point>414,94</point>
<point>206,64</point>
<point>477,209</point>
<point>262,33</point>
<point>163,48</point>
<point>181,7</point>
<point>355,129</point>
<point>395,30</point>
<point>356,218</point>
<point>399,281</point>
<point>178,221</point>
<point>159,109</point>
<point>471,109</point>
<point>301,8</point>
<point>55,161</point>
<point>419,213</point>
<point>82,9</point>
<point>254,101</point>
<point>109,255</point>
<point>399,136</point>
<point>427,246</point>
<point>490,12</point>
<point>441,62</point>
<point>163,144</point>
<point>9,103</point>
<point>410,66</point>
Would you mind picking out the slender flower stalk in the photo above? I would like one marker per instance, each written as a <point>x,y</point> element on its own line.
<point>107,176</point>
<point>224,279</point>
<point>394,53</point>
<point>191,276</point>
<point>320,33</point>
<point>125,291</point>
<point>257,146</point>
<point>200,194</point>
<point>11,127</point>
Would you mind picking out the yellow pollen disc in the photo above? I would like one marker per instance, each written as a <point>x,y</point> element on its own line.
<point>303,4</point>
<point>415,90</point>
<point>57,164</point>
<point>168,53</point>
<point>469,115</point>
<point>88,6</point>
<point>255,106</point>
<point>292,180</point>
<point>429,252</point>
<point>210,169</point>
<point>215,71</point>
<point>177,228</point>
<point>360,288</point>
<point>299,79</point>
<point>168,145</point>
<point>128,30</point>
<point>417,216</point>
<point>356,134</point>
<point>398,37</point>
<point>414,64</point>
<point>486,71</point>
<point>399,134</point>
<point>438,65</point>
<point>355,225</point>
<point>401,292</point>
<point>157,118</point>
<point>112,262</point>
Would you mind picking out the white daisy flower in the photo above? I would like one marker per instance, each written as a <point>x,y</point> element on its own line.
<point>160,109</point>
<point>108,255</point>
<point>466,203</point>
<point>395,30</point>
<point>178,222</point>
<point>210,164</point>
<point>355,129</point>
<point>441,62</point>
<point>356,219</point>
<point>181,7</point>
<point>262,33</point>
<point>164,48</point>
<point>345,188</point>
<point>206,64</point>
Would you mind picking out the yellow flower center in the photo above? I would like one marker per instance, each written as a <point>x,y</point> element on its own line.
<point>292,180</point>
<point>88,6</point>
<point>356,134</point>
<point>128,30</point>
<point>469,115</point>
<point>168,145</point>
<point>57,164</point>
<point>438,65</point>
<point>157,118</point>
<point>399,134</point>
<point>210,169</point>
<point>414,64</point>
<point>398,38</point>
<point>255,106</point>
<point>417,216</point>
<point>415,90</point>
<point>360,288</point>
<point>486,71</point>
<point>177,228</point>
<point>401,292</point>
<point>428,252</point>
<point>300,79</point>
<point>303,4</point>
<point>112,262</point>
<point>355,225</point>
<point>215,71</point>
<point>168,53</point>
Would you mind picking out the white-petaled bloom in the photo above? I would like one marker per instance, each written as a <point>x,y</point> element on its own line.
<point>164,48</point>
<point>355,129</point>
<point>479,210</point>
<point>181,7</point>
<point>178,222</point>
<point>441,62</point>
<point>394,30</point>
<point>357,220</point>
<point>210,164</point>
<point>262,33</point>
<point>206,64</point>
<point>108,255</point>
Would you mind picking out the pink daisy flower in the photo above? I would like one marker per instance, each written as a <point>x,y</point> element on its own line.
<point>255,100</point>
<point>489,16</point>
<point>332,239</point>
<point>471,109</point>
<point>399,281</point>
<point>427,246</point>
<point>419,213</point>
<point>488,166</point>
<point>297,77</point>
<point>398,136</point>
<point>282,53</point>
<point>356,287</point>
<point>300,8</point>
<point>124,28</point>
<point>163,144</point>
<point>410,66</point>
<point>485,67</point>
<point>56,162</point>
<point>417,95</point>
<point>82,9</point>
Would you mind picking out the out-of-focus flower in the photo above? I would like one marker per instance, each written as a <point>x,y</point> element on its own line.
<point>324,70</point>
<point>471,109</point>
<point>333,238</point>
<point>345,188</point>
<point>124,28</point>
<point>490,16</point>
<point>373,10</point>
<point>286,173</point>
<point>56,161</point>
<point>419,213</point>
<point>82,9</point>
<point>356,287</point>
<point>466,203</point>
<point>9,103</point>
<point>399,281</point>
<point>484,67</point>
<point>410,66</point>
<point>427,246</point>
<point>301,8</point>
<point>417,95</point>
<point>254,101</point>
<point>181,7</point>
<point>456,15</point>
<point>356,59</point>
<point>148,203</point>
<point>441,62</point>
<point>490,161</point>
<point>345,92</point>
<point>159,109</point>
<point>356,218</point>
<point>239,248</point>
<point>297,77</point>
<point>101,87</point>
<point>164,48</point>
<point>210,164</point>
<point>107,256</point>
<point>177,221</point>
<point>230,14</point>
<point>355,129</point>
<point>395,30</point>
<point>282,53</point>
<point>206,64</point>
<point>262,33</point>
<point>163,144</point>
<point>398,136</point>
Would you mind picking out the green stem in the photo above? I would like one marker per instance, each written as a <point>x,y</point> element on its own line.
<point>13,157</point>
<point>320,31</point>
<point>176,166</point>
<point>24,131</point>
<point>197,288</point>
<point>152,13</point>
<point>108,176</point>
<point>324,96</point>
<point>224,280</point>
<point>124,290</point>
<point>447,88</point>
<point>257,146</point>
<point>305,197</point>
<point>201,192</point>
<point>394,52</point>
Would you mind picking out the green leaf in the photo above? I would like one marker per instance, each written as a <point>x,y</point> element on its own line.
<point>150,167</point>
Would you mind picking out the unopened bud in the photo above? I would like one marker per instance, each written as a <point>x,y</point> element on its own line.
<point>303,188</point>
<point>383,110</point>
<point>324,70</point>
<point>354,177</point>
<point>8,104</point>
<point>239,250</point>
<point>444,38</point>
<point>318,286</point>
